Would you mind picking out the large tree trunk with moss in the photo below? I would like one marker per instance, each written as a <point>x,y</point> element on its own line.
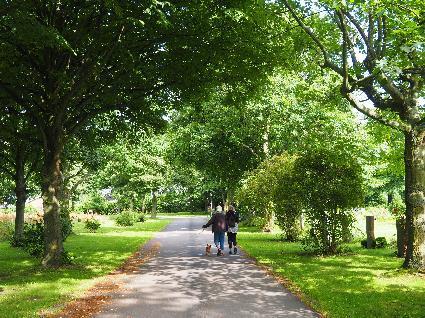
<point>414,157</point>
<point>21,195</point>
<point>53,243</point>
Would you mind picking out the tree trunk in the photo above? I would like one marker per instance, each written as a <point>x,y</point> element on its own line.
<point>301,221</point>
<point>266,142</point>
<point>268,226</point>
<point>21,195</point>
<point>154,205</point>
<point>414,158</point>
<point>143,206</point>
<point>401,237</point>
<point>370,231</point>
<point>230,197</point>
<point>53,243</point>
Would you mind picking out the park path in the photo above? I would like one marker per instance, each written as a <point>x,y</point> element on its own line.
<point>180,281</point>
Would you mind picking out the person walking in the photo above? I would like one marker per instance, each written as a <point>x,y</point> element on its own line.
<point>232,220</point>
<point>218,222</point>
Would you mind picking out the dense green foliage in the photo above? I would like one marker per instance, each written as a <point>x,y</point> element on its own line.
<point>268,191</point>
<point>64,64</point>
<point>92,224</point>
<point>129,218</point>
<point>329,187</point>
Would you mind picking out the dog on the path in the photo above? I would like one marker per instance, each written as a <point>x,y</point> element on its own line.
<point>208,250</point>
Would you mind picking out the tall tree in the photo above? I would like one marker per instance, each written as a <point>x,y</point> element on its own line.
<point>19,159</point>
<point>377,49</point>
<point>66,62</point>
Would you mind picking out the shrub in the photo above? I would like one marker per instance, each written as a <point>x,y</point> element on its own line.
<point>268,191</point>
<point>33,238</point>
<point>141,217</point>
<point>95,203</point>
<point>6,230</point>
<point>379,242</point>
<point>92,224</point>
<point>329,185</point>
<point>66,226</point>
<point>127,218</point>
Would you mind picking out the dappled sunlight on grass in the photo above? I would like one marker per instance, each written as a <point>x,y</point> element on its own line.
<point>364,283</point>
<point>29,288</point>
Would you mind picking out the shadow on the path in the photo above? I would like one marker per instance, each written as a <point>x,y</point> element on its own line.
<point>200,286</point>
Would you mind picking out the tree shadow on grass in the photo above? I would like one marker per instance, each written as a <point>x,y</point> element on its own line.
<point>28,287</point>
<point>368,283</point>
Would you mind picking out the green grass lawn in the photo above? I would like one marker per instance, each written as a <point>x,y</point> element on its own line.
<point>367,283</point>
<point>26,288</point>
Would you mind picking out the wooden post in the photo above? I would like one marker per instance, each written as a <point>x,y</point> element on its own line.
<point>370,231</point>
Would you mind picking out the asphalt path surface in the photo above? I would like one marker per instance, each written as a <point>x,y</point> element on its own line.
<point>180,281</point>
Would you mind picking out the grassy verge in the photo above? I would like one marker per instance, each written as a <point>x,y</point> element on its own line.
<point>26,288</point>
<point>366,283</point>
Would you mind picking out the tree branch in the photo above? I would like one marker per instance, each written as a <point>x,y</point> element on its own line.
<point>357,26</point>
<point>374,115</point>
<point>345,39</point>
<point>327,62</point>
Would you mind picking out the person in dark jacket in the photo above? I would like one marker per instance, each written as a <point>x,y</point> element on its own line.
<point>218,222</point>
<point>232,220</point>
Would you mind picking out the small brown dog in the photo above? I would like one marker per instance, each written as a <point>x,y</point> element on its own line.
<point>208,250</point>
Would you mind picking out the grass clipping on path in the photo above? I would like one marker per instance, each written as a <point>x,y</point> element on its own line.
<point>28,290</point>
<point>366,283</point>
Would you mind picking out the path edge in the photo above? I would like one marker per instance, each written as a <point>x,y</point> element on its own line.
<point>74,306</point>
<point>293,288</point>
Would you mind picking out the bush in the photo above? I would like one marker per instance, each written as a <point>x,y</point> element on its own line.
<point>379,242</point>
<point>95,203</point>
<point>66,226</point>
<point>268,191</point>
<point>127,218</point>
<point>92,225</point>
<point>6,230</point>
<point>33,238</point>
<point>141,217</point>
<point>329,186</point>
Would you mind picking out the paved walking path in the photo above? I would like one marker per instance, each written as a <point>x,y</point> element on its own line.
<point>180,281</point>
